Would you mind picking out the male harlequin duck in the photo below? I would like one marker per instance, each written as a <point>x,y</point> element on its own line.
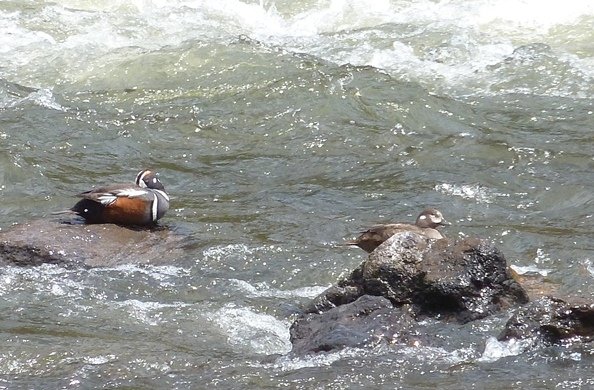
<point>427,223</point>
<point>142,203</point>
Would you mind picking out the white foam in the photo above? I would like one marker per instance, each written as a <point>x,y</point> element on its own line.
<point>147,312</point>
<point>530,270</point>
<point>43,97</point>
<point>264,290</point>
<point>100,359</point>
<point>262,333</point>
<point>224,250</point>
<point>589,266</point>
<point>495,350</point>
<point>19,37</point>
<point>161,273</point>
<point>476,192</point>
<point>293,363</point>
<point>444,45</point>
<point>47,280</point>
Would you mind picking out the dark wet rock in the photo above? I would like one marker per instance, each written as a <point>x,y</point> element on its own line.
<point>27,255</point>
<point>407,279</point>
<point>77,245</point>
<point>366,321</point>
<point>333,297</point>
<point>459,281</point>
<point>551,321</point>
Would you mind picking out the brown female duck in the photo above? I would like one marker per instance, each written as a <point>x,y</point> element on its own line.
<point>426,224</point>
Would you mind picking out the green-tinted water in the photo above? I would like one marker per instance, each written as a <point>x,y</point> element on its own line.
<point>278,137</point>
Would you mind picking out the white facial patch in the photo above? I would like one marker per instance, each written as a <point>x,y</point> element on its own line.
<point>423,217</point>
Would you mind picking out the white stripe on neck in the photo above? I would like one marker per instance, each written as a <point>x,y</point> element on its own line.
<point>155,207</point>
<point>163,194</point>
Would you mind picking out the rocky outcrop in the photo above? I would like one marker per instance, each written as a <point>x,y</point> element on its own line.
<point>410,278</point>
<point>460,281</point>
<point>78,245</point>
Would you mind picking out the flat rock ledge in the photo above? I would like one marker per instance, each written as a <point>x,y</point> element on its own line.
<point>408,279</point>
<point>77,245</point>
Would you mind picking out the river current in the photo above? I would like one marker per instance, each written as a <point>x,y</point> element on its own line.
<point>281,129</point>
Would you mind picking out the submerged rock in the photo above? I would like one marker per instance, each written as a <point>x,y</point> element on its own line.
<point>551,321</point>
<point>366,321</point>
<point>74,245</point>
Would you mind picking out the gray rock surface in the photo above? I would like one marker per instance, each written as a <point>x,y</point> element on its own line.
<point>78,245</point>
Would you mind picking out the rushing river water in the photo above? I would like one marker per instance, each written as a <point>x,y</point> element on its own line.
<point>281,128</point>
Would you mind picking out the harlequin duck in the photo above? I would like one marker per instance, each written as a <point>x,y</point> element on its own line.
<point>141,203</point>
<point>427,223</point>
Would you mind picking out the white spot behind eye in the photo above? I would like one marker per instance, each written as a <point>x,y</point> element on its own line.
<point>154,180</point>
<point>423,217</point>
